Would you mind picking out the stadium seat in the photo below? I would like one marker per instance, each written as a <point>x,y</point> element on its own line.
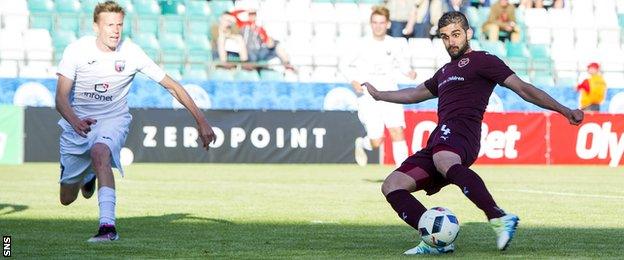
<point>14,15</point>
<point>219,7</point>
<point>197,9</point>
<point>60,40</point>
<point>539,51</point>
<point>146,7</point>
<point>171,7</point>
<point>172,23</point>
<point>173,50</point>
<point>221,75</point>
<point>199,49</point>
<point>66,18</point>
<point>194,73</point>
<point>271,75</point>
<point>264,103</point>
<point>149,43</point>
<point>246,75</point>
<point>38,46</point>
<point>8,70</point>
<point>41,14</point>
<point>497,48</point>
<point>13,49</point>
<point>87,6</point>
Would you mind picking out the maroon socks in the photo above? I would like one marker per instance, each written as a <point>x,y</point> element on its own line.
<point>473,187</point>
<point>408,208</point>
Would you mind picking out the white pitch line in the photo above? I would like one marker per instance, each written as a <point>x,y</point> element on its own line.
<point>568,194</point>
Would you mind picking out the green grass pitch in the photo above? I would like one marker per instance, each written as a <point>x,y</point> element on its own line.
<point>306,211</point>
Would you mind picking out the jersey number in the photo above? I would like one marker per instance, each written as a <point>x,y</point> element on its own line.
<point>445,132</point>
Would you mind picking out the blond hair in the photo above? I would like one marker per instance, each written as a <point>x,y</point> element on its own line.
<point>381,10</point>
<point>107,7</point>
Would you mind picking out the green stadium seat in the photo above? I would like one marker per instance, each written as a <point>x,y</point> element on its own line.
<point>146,24</point>
<point>60,40</point>
<point>173,50</point>
<point>87,6</point>
<point>41,14</point>
<point>247,75</point>
<point>519,65</point>
<point>195,73</point>
<point>198,25</point>
<point>221,75</point>
<point>67,6</point>
<point>539,51</point>
<point>127,6</point>
<point>199,49</point>
<point>171,7</point>
<point>68,22</point>
<point>271,75</point>
<point>517,50</point>
<point>197,9</point>
<point>543,80</point>
<point>497,48</point>
<point>149,44</point>
<point>218,7</point>
<point>146,7</point>
<point>172,23</point>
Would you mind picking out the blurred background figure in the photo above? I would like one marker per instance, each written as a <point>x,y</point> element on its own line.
<point>501,23</point>
<point>375,61</point>
<point>260,46</point>
<point>593,89</point>
<point>409,18</point>
<point>228,44</point>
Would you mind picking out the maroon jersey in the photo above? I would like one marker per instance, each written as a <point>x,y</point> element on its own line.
<point>463,87</point>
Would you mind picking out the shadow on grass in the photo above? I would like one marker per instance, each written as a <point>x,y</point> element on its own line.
<point>6,209</point>
<point>184,235</point>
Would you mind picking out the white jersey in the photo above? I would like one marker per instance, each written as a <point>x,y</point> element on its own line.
<point>377,62</point>
<point>102,79</point>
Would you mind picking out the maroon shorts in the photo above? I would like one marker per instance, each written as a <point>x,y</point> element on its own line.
<point>450,136</point>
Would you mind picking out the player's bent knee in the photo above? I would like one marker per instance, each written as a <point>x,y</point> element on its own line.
<point>397,181</point>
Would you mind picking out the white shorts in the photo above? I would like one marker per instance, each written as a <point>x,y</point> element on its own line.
<point>374,115</point>
<point>75,149</point>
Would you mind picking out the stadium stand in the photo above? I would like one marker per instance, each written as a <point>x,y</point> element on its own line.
<point>554,50</point>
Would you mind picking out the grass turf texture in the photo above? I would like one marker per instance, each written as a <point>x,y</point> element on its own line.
<point>306,211</point>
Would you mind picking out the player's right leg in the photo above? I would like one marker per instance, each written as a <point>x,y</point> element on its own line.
<point>101,163</point>
<point>397,189</point>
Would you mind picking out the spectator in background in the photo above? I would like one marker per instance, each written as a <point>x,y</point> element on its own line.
<point>260,46</point>
<point>457,5</point>
<point>502,18</point>
<point>228,44</point>
<point>541,4</point>
<point>479,3</point>
<point>409,18</point>
<point>593,89</point>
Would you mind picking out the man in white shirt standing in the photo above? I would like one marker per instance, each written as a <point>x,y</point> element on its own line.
<point>376,60</point>
<point>94,77</point>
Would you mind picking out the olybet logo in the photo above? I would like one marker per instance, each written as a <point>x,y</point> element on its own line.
<point>494,144</point>
<point>603,142</point>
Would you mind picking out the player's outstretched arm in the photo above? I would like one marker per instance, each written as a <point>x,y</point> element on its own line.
<point>402,96</point>
<point>205,130</point>
<point>540,98</point>
<point>63,89</point>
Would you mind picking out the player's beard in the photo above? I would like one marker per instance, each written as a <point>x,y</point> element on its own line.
<point>460,50</point>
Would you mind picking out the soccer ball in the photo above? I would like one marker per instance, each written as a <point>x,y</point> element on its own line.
<point>438,227</point>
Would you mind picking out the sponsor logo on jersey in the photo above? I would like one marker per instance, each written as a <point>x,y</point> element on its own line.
<point>120,65</point>
<point>97,96</point>
<point>102,87</point>
<point>91,62</point>
<point>463,62</point>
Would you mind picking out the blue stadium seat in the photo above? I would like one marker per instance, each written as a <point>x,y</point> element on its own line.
<point>284,103</point>
<point>171,7</point>
<point>265,103</point>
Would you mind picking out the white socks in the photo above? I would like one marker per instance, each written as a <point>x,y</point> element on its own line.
<point>399,150</point>
<point>366,143</point>
<point>106,199</point>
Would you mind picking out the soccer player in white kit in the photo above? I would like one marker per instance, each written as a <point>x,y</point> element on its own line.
<point>94,78</point>
<point>376,60</point>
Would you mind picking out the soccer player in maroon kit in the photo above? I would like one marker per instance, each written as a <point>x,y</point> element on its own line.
<point>463,87</point>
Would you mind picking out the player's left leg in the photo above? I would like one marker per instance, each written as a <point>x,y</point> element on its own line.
<point>394,119</point>
<point>399,146</point>
<point>449,164</point>
<point>101,163</point>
